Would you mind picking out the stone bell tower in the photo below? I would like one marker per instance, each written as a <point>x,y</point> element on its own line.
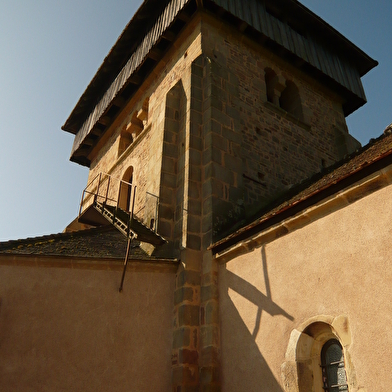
<point>212,110</point>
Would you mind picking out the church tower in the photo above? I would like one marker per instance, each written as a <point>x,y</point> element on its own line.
<point>203,114</point>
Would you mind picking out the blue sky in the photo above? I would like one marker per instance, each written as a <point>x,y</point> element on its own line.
<point>49,52</point>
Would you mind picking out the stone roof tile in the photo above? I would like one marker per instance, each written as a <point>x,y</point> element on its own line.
<point>101,242</point>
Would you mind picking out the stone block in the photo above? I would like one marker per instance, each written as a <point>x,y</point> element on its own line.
<point>170,137</point>
<point>209,356</point>
<point>218,92</point>
<point>169,165</point>
<point>193,242</point>
<point>209,292</point>
<point>194,157</point>
<point>209,335</point>
<point>223,174</point>
<point>209,375</point>
<point>188,315</point>
<point>185,375</point>
<point>233,113</point>
<point>194,207</point>
<point>194,173</point>
<point>196,93</point>
<point>216,102</point>
<point>170,150</point>
<point>169,180</point>
<point>165,229</point>
<point>197,81</point>
<point>197,105</point>
<point>189,278</point>
<point>206,189</point>
<point>197,67</point>
<point>194,224</point>
<point>206,240</point>
<point>196,142</point>
<point>196,117</point>
<point>166,212</point>
<point>220,117</point>
<point>172,125</point>
<point>183,294</point>
<point>216,127</point>
<point>206,225</point>
<point>211,312</point>
<point>166,196</point>
<point>186,356</point>
<point>181,337</point>
<point>216,156</point>
<point>193,189</point>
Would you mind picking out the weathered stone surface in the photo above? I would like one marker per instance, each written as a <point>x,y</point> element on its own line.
<point>188,315</point>
<point>183,294</point>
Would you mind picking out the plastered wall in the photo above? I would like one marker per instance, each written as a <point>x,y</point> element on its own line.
<point>337,266</point>
<point>67,329</point>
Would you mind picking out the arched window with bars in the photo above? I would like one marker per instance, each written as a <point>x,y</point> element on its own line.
<point>332,365</point>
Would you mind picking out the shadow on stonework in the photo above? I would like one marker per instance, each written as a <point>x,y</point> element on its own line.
<point>245,368</point>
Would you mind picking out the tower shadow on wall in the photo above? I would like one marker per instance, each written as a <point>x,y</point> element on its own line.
<point>243,362</point>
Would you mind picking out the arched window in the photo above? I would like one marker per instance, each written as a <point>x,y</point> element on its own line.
<point>291,101</point>
<point>315,357</point>
<point>126,140</point>
<point>332,365</point>
<point>270,82</point>
<point>130,131</point>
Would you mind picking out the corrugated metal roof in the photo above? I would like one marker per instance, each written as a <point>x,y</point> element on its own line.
<point>306,47</point>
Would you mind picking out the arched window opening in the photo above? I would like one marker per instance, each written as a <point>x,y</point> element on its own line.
<point>332,365</point>
<point>319,351</point>
<point>270,83</point>
<point>290,100</point>
<point>126,140</point>
<point>138,122</point>
<point>125,191</point>
<point>136,125</point>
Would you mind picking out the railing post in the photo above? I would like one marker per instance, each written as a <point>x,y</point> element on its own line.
<point>107,190</point>
<point>119,194</point>
<point>99,183</point>
<point>133,199</point>
<point>81,203</point>
<point>156,214</point>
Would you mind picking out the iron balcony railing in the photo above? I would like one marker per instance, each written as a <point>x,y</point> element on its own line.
<point>108,190</point>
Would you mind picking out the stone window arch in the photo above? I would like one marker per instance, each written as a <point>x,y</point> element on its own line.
<point>302,370</point>
<point>132,130</point>
<point>290,100</point>
<point>271,80</point>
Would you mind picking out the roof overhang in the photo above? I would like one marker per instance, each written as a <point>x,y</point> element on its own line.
<point>153,30</point>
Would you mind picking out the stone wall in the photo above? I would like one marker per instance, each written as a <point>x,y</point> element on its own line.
<point>258,149</point>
